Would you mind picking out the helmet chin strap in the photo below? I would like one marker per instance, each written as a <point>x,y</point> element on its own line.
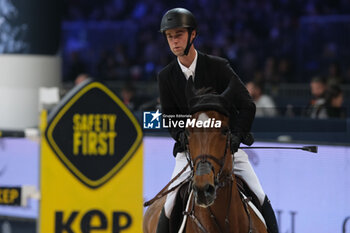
<point>189,42</point>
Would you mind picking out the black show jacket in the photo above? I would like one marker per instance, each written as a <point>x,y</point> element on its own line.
<point>211,71</point>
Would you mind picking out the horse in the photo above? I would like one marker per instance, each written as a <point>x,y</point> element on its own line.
<point>215,203</point>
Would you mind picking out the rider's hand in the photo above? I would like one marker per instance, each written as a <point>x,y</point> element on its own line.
<point>238,138</point>
<point>248,139</point>
<point>182,139</point>
<point>234,143</point>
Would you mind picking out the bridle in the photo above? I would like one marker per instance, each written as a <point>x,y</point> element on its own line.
<point>205,159</point>
<point>229,178</point>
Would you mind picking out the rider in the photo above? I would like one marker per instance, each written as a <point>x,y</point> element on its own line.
<point>180,29</point>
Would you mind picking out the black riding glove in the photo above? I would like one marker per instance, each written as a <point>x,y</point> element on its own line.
<point>182,139</point>
<point>238,138</point>
<point>248,139</point>
<point>234,143</point>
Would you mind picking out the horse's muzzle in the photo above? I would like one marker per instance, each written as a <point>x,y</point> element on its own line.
<point>203,184</point>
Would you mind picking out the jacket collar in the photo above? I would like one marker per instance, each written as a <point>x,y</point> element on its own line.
<point>199,72</point>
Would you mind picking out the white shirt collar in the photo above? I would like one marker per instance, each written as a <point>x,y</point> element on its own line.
<point>190,71</point>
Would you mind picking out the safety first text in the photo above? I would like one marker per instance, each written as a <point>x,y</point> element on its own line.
<point>94,134</point>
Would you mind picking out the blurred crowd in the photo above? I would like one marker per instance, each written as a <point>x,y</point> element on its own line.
<point>266,42</point>
<point>326,101</point>
<point>260,38</point>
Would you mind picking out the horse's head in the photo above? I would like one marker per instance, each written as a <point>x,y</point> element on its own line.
<point>209,146</point>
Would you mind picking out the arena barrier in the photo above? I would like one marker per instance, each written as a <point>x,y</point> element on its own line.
<point>309,192</point>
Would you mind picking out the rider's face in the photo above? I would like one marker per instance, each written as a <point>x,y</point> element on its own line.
<point>177,40</point>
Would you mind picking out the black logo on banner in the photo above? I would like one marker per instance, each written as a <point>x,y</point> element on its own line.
<point>93,134</point>
<point>10,196</point>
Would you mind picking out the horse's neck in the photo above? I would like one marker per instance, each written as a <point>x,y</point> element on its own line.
<point>228,194</point>
<point>228,205</point>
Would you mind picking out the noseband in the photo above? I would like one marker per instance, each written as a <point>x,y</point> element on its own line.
<point>221,162</point>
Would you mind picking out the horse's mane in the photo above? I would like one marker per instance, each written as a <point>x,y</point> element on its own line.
<point>208,99</point>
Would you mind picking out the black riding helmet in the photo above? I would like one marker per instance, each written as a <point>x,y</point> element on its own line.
<point>179,18</point>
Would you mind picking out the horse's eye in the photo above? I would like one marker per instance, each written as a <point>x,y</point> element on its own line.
<point>224,130</point>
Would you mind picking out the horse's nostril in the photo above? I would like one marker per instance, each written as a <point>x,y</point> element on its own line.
<point>209,190</point>
<point>204,195</point>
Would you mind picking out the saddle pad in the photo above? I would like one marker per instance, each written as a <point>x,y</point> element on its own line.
<point>181,199</point>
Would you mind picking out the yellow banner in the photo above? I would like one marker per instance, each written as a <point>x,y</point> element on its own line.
<point>91,184</point>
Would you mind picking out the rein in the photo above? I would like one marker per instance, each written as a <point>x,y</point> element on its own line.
<point>162,192</point>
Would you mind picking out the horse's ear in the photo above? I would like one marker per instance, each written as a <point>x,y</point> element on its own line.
<point>228,92</point>
<point>190,90</point>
